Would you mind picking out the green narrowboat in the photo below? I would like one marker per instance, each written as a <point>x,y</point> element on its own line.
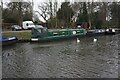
<point>40,33</point>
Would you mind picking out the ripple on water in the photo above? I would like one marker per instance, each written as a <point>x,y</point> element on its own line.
<point>63,59</point>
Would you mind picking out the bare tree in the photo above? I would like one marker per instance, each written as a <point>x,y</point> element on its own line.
<point>43,11</point>
<point>77,8</point>
<point>47,10</point>
<point>55,11</point>
<point>1,5</point>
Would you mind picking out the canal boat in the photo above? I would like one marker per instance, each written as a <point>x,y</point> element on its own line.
<point>8,40</point>
<point>95,32</point>
<point>40,33</point>
<point>117,31</point>
<point>110,31</point>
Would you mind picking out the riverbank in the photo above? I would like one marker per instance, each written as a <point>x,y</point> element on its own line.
<point>20,34</point>
<point>26,34</point>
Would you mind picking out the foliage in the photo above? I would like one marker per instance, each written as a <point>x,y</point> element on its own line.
<point>10,20</point>
<point>96,21</point>
<point>83,17</point>
<point>17,12</point>
<point>115,12</point>
<point>65,13</point>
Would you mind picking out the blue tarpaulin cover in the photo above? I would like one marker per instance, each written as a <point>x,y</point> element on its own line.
<point>7,39</point>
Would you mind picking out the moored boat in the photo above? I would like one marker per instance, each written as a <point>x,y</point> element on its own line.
<point>110,31</point>
<point>8,40</point>
<point>95,32</point>
<point>40,33</point>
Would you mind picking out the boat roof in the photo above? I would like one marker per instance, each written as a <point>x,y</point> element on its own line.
<point>38,26</point>
<point>63,29</point>
<point>28,21</point>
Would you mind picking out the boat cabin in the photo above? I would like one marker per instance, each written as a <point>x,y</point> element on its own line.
<point>39,31</point>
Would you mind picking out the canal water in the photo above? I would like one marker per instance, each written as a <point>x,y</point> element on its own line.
<point>63,59</point>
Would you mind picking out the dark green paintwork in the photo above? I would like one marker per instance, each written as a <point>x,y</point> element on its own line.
<point>57,34</point>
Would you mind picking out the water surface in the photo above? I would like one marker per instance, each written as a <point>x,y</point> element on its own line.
<point>67,58</point>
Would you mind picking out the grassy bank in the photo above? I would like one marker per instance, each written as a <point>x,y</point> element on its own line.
<point>20,35</point>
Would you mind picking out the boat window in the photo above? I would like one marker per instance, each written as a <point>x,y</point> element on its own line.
<point>45,30</point>
<point>78,32</point>
<point>39,30</point>
<point>55,34</point>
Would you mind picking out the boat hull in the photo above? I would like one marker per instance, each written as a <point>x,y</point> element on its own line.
<point>9,41</point>
<point>109,33</point>
<point>38,35</point>
<point>6,43</point>
<point>56,38</point>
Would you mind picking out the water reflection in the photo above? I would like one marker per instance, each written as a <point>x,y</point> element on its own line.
<point>63,59</point>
